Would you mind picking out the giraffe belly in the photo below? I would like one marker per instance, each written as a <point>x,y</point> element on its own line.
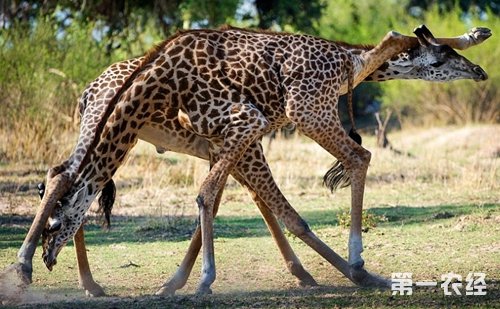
<point>176,140</point>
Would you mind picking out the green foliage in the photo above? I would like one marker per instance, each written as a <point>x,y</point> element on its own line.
<point>361,22</point>
<point>42,73</point>
<point>369,220</point>
<point>459,102</point>
<point>210,13</point>
<point>50,53</point>
<point>290,15</point>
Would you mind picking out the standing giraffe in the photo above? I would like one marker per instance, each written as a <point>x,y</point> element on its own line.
<point>169,135</point>
<point>215,138</point>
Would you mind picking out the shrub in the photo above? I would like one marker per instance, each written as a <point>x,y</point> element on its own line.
<point>42,73</point>
<point>369,220</point>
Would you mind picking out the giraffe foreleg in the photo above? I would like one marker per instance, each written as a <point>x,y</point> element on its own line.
<point>243,125</point>
<point>206,201</point>
<point>58,183</point>
<point>85,278</point>
<point>293,264</point>
<point>181,276</point>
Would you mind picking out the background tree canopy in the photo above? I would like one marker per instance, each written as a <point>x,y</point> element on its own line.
<point>50,50</point>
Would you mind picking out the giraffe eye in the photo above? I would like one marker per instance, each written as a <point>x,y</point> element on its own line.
<point>55,226</point>
<point>437,64</point>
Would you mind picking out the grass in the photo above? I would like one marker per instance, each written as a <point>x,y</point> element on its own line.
<point>440,208</point>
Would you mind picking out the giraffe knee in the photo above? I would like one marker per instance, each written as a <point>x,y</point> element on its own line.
<point>200,201</point>
<point>366,156</point>
<point>298,227</point>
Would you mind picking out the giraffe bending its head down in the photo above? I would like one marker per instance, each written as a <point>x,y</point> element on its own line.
<point>229,88</point>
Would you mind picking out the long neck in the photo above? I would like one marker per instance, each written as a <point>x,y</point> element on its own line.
<point>397,67</point>
<point>370,62</point>
<point>92,105</point>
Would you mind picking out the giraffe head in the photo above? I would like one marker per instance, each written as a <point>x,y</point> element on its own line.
<point>66,218</point>
<point>429,61</point>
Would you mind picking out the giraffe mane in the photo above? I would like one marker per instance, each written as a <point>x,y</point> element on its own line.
<point>346,45</point>
<point>227,27</point>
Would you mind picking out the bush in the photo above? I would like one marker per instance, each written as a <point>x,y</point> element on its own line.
<point>419,102</point>
<point>368,221</point>
<point>458,102</point>
<point>42,73</point>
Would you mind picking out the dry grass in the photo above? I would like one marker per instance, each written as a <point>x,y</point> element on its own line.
<point>441,205</point>
<point>447,164</point>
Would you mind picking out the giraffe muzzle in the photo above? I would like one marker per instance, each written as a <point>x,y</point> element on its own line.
<point>481,74</point>
<point>49,260</point>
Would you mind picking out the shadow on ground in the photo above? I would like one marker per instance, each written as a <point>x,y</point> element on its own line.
<point>318,297</point>
<point>13,228</point>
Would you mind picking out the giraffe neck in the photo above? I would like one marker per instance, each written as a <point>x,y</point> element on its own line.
<point>374,59</point>
<point>398,67</point>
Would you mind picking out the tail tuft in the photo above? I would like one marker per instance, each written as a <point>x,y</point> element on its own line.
<point>106,201</point>
<point>337,176</point>
<point>355,136</point>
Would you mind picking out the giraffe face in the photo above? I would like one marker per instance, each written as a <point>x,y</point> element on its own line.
<point>442,63</point>
<point>63,223</point>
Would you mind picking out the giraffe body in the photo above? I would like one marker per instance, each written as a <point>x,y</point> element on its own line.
<point>255,108</point>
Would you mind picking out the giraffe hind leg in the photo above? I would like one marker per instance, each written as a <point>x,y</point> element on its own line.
<point>253,166</point>
<point>253,156</point>
<point>243,126</point>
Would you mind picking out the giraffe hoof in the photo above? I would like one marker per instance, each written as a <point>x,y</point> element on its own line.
<point>307,282</point>
<point>13,284</point>
<point>358,265</point>
<point>166,291</point>
<point>94,290</point>
<point>365,279</point>
<point>203,290</point>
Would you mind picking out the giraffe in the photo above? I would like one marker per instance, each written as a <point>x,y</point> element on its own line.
<point>401,67</point>
<point>312,239</point>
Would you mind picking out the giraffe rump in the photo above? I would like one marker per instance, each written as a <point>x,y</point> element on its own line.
<point>338,176</point>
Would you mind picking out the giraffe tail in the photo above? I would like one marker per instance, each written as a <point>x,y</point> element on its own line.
<point>338,176</point>
<point>106,201</point>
